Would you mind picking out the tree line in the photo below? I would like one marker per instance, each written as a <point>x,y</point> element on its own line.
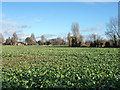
<point>74,40</point>
<point>31,40</point>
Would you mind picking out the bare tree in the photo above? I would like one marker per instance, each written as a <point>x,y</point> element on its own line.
<point>87,42</point>
<point>1,38</point>
<point>42,39</point>
<point>94,40</point>
<point>75,30</point>
<point>14,38</point>
<point>28,40</point>
<point>33,39</point>
<point>76,35</point>
<point>90,37</point>
<point>95,37</point>
<point>68,37</point>
<point>112,29</point>
<point>81,39</point>
<point>8,41</point>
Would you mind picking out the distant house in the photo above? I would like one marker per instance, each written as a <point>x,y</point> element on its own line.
<point>53,41</point>
<point>21,43</point>
<point>25,43</point>
<point>57,41</point>
<point>84,45</point>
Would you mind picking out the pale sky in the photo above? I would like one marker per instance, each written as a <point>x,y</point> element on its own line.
<point>54,19</point>
<point>60,0</point>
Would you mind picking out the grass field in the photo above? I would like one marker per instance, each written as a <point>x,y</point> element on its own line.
<point>60,66</point>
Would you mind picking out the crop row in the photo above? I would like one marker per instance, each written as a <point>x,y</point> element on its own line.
<point>47,66</point>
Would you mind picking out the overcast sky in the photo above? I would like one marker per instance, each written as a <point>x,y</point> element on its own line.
<point>54,19</point>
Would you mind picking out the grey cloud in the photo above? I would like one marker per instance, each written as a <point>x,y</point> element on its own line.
<point>22,35</point>
<point>47,36</point>
<point>98,27</point>
<point>24,26</point>
<point>12,25</point>
<point>9,27</point>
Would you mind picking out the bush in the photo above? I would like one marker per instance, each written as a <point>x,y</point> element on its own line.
<point>107,44</point>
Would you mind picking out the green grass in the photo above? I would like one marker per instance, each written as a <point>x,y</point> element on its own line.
<point>60,66</point>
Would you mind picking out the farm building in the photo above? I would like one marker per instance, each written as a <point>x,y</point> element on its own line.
<point>21,43</point>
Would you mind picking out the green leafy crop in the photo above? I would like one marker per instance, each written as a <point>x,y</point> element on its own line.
<point>60,67</point>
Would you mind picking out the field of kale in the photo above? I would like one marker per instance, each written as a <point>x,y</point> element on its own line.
<point>60,67</point>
